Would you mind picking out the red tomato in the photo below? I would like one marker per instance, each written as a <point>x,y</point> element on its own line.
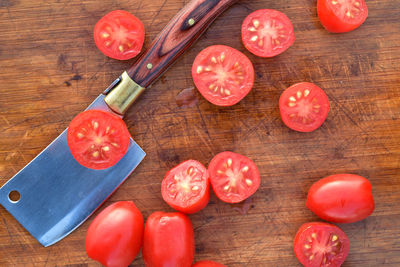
<point>115,236</point>
<point>233,177</point>
<point>342,15</point>
<point>341,198</point>
<point>267,32</point>
<point>186,187</point>
<point>223,75</point>
<point>119,35</point>
<point>208,264</point>
<point>320,244</point>
<point>304,107</point>
<point>168,240</point>
<point>97,139</point>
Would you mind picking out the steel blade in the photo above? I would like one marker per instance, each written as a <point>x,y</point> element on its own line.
<point>57,194</point>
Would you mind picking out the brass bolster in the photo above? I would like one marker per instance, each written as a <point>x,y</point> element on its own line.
<point>123,94</point>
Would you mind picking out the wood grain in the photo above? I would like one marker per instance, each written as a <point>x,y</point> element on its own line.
<point>51,70</point>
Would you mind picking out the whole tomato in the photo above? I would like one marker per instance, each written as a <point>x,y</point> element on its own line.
<point>115,236</point>
<point>206,263</point>
<point>168,240</point>
<point>341,198</point>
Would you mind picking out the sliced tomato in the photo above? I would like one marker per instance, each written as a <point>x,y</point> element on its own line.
<point>186,187</point>
<point>97,139</point>
<point>119,35</point>
<point>304,107</point>
<point>342,15</point>
<point>233,177</point>
<point>320,244</point>
<point>223,75</point>
<point>267,33</point>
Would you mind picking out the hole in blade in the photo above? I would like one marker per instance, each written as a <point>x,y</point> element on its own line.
<point>14,196</point>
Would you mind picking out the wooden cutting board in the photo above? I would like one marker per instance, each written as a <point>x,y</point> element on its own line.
<point>51,70</point>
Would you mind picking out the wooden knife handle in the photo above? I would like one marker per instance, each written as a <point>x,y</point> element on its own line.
<point>175,38</point>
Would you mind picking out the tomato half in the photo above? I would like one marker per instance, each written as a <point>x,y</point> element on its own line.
<point>186,187</point>
<point>341,198</point>
<point>320,244</point>
<point>97,139</point>
<point>233,177</point>
<point>119,35</point>
<point>267,33</point>
<point>342,15</point>
<point>223,75</point>
<point>208,264</point>
<point>168,240</point>
<point>115,236</point>
<point>304,107</point>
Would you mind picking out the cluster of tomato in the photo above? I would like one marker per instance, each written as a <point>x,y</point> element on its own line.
<point>224,76</point>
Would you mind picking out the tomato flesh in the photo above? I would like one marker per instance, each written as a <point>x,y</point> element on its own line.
<point>168,240</point>
<point>114,238</point>
<point>341,198</point>
<point>267,33</point>
<point>223,75</point>
<point>321,244</point>
<point>342,15</point>
<point>206,263</point>
<point>119,35</point>
<point>233,177</point>
<point>97,139</point>
<point>186,187</point>
<point>304,107</point>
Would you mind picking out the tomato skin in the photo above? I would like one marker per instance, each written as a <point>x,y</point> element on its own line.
<point>221,171</point>
<point>335,23</point>
<point>322,230</point>
<point>87,134</point>
<point>125,35</point>
<point>235,67</point>
<point>206,263</point>
<point>303,105</point>
<point>341,198</point>
<point>281,39</point>
<point>168,240</point>
<point>187,202</point>
<point>114,238</point>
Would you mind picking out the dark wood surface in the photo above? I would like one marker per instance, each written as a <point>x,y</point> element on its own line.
<point>51,70</point>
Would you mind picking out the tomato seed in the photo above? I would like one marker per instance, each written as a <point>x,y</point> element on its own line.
<point>254,38</point>
<point>213,59</point>
<point>334,3</point>
<point>229,162</point>
<point>298,94</point>
<point>291,104</point>
<point>106,148</point>
<point>195,188</point>
<point>199,69</point>
<point>245,169</point>
<point>79,135</point>
<point>292,98</point>
<point>256,23</point>
<point>222,57</point>
<point>314,235</point>
<point>306,93</point>
<point>96,154</point>
<point>334,237</point>
<point>307,246</point>
<point>249,182</point>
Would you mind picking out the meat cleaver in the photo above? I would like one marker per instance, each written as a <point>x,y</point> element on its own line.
<point>55,193</point>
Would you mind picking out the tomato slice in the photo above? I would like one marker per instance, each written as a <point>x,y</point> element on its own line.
<point>97,139</point>
<point>267,33</point>
<point>186,187</point>
<point>321,244</point>
<point>342,15</point>
<point>233,177</point>
<point>119,35</point>
<point>223,75</point>
<point>304,107</point>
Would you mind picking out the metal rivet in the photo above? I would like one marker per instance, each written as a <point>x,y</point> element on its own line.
<point>149,66</point>
<point>191,21</point>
